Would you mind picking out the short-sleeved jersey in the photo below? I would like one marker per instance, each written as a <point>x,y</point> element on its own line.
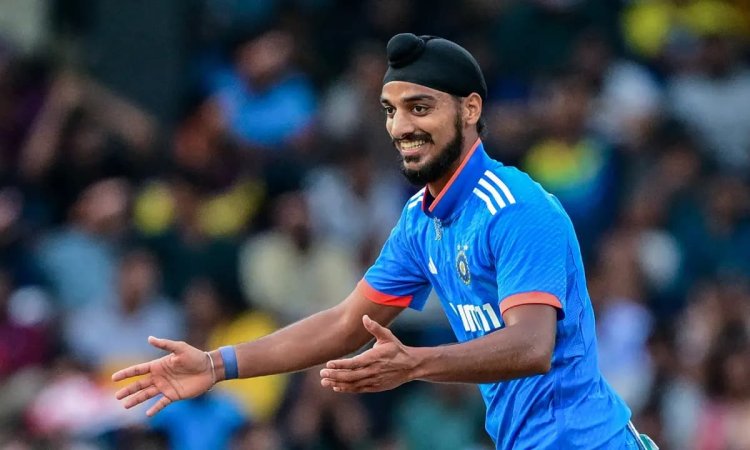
<point>491,240</point>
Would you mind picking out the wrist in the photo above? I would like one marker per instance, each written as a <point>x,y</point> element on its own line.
<point>218,365</point>
<point>229,362</point>
<point>211,369</point>
<point>423,356</point>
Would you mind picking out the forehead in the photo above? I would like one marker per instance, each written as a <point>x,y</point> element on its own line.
<point>401,91</point>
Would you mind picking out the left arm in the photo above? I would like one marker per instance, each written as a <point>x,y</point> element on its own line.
<point>523,348</point>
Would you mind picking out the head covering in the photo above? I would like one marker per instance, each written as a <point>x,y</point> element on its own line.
<point>434,62</point>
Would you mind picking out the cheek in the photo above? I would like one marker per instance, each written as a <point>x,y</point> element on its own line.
<point>440,136</point>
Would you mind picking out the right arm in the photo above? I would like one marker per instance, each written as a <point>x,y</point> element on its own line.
<point>186,371</point>
<point>394,282</point>
<point>311,341</point>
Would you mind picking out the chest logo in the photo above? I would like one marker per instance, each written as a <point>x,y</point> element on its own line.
<point>462,264</point>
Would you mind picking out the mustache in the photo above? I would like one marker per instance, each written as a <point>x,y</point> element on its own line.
<point>413,137</point>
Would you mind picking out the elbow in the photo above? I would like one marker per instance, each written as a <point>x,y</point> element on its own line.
<point>540,360</point>
<point>350,331</point>
<point>543,365</point>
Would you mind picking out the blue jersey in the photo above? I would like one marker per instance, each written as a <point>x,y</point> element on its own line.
<point>491,240</point>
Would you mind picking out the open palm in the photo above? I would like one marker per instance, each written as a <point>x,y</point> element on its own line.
<point>184,373</point>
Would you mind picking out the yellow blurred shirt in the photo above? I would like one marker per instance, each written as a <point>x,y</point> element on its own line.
<point>648,24</point>
<point>260,397</point>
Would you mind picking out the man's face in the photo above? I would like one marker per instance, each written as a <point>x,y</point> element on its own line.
<point>426,128</point>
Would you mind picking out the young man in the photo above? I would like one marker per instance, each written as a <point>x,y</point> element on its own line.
<point>501,254</point>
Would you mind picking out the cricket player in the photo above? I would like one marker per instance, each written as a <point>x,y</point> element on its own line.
<point>499,251</point>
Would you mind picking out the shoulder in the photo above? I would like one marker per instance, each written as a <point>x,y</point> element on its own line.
<point>504,191</point>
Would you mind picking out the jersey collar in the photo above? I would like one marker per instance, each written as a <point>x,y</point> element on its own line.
<point>460,185</point>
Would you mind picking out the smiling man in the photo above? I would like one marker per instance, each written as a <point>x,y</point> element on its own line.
<point>499,251</point>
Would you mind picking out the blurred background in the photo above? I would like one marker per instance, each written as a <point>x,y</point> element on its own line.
<point>211,170</point>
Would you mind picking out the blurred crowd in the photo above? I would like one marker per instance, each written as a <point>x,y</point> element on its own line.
<point>212,170</point>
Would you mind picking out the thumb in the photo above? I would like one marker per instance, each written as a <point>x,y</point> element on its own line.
<point>380,332</point>
<point>165,344</point>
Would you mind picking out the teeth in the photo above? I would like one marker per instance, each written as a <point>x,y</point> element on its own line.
<point>408,145</point>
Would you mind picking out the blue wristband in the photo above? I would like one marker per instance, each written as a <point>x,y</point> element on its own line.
<point>231,371</point>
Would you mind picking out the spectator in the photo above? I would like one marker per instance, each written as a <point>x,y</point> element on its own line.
<point>569,161</point>
<point>264,84</point>
<point>107,334</point>
<point>355,204</point>
<point>79,259</point>
<point>714,100</point>
<point>209,421</point>
<point>624,324</point>
<point>290,271</point>
<point>715,235</point>
<point>626,98</point>
<point>82,134</point>
<point>214,321</point>
<point>349,114</point>
<point>724,419</point>
<point>184,248</point>
<point>25,347</point>
<point>321,419</point>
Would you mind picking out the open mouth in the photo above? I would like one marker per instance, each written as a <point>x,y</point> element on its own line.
<point>412,147</point>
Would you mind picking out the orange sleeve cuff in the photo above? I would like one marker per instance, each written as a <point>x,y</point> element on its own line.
<point>529,298</point>
<point>376,296</point>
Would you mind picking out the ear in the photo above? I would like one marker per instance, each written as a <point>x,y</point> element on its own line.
<point>472,109</point>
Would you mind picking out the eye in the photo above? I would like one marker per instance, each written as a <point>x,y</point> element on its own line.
<point>389,110</point>
<point>420,109</point>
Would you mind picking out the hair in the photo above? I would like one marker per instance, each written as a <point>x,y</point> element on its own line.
<point>482,127</point>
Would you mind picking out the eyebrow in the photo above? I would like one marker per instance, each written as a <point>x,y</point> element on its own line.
<point>411,98</point>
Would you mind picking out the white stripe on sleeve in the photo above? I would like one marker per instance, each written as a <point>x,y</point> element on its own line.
<point>501,185</point>
<point>493,191</point>
<point>486,199</point>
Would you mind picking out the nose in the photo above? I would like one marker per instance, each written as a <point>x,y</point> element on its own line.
<point>400,125</point>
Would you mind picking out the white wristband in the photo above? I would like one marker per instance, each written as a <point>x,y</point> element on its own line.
<point>213,370</point>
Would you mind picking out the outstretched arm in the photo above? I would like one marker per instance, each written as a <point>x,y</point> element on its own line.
<point>523,348</point>
<point>186,371</point>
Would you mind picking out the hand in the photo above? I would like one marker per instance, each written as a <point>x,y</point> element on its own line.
<point>387,365</point>
<point>184,373</point>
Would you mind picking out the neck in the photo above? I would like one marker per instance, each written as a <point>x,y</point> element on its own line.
<point>437,186</point>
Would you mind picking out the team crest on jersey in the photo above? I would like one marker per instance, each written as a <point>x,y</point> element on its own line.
<point>462,264</point>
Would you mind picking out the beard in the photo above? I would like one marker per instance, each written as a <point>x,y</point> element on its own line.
<point>441,164</point>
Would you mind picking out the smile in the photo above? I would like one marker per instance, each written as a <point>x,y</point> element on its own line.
<point>412,145</point>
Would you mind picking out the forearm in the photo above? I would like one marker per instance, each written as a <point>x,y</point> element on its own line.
<point>38,152</point>
<point>131,123</point>
<point>311,341</point>
<point>503,355</point>
<point>317,339</point>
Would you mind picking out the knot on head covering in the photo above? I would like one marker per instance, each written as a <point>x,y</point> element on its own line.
<point>434,62</point>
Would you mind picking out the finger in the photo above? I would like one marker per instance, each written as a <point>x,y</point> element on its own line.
<point>357,388</point>
<point>132,388</point>
<point>158,406</point>
<point>146,394</point>
<point>165,344</point>
<point>380,332</point>
<point>339,386</point>
<point>356,362</point>
<point>347,376</point>
<point>132,371</point>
